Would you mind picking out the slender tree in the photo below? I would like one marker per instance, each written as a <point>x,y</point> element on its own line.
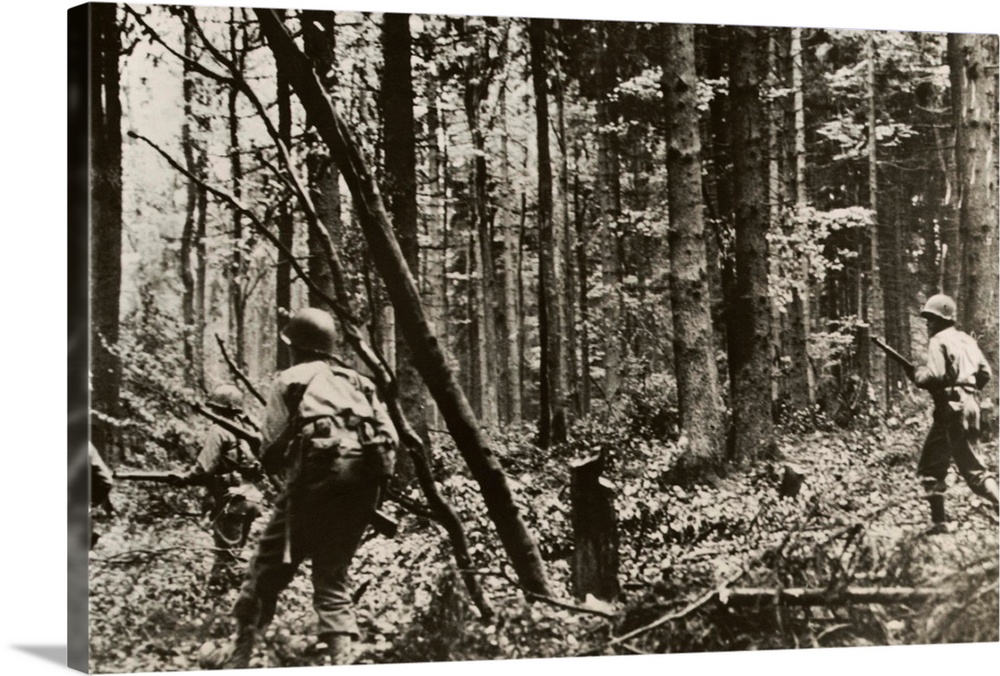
<point>106,223</point>
<point>401,188</point>
<point>512,310</point>
<point>804,392</point>
<point>552,427</point>
<point>874,307</point>
<point>609,201</point>
<point>189,237</point>
<point>237,270</point>
<point>286,226</point>
<point>319,40</point>
<point>749,319</point>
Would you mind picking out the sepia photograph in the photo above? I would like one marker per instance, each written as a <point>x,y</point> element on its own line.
<point>405,337</point>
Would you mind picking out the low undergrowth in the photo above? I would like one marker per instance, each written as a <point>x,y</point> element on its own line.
<point>700,565</point>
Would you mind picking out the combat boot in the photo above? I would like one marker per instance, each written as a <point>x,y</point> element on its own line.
<point>939,518</point>
<point>990,492</point>
<point>339,646</point>
<point>242,649</point>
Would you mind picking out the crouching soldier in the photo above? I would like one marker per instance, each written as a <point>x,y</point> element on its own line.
<point>954,372</point>
<point>227,469</point>
<point>329,435</point>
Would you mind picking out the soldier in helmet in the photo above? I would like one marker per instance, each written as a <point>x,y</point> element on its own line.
<point>329,435</point>
<point>227,469</point>
<point>954,372</point>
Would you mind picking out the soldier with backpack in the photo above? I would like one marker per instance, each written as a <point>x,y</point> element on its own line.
<point>330,437</point>
<point>954,372</point>
<point>227,469</point>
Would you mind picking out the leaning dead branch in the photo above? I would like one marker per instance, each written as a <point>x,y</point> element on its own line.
<point>236,371</point>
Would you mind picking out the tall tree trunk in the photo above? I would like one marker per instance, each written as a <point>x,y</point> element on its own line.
<point>609,199</point>
<point>520,546</point>
<point>565,247</point>
<point>319,39</point>
<point>973,60</point>
<point>401,192</point>
<point>583,271</point>
<point>106,225</point>
<point>552,422</point>
<point>716,181</point>
<point>749,326</point>
<point>875,304</point>
<point>237,302</point>
<point>694,340</point>
<point>780,381</point>
<point>804,389</point>
<point>436,257</point>
<point>476,89</point>
<point>192,355</point>
<point>512,311</point>
<point>286,228</point>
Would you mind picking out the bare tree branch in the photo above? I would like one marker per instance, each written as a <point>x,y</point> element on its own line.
<point>236,371</point>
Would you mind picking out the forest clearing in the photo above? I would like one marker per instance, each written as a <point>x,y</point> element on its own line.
<point>582,316</point>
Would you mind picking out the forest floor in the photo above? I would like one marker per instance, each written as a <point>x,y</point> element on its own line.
<point>701,567</point>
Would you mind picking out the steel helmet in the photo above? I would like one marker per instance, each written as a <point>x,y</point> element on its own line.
<point>311,330</point>
<point>226,397</point>
<point>939,305</point>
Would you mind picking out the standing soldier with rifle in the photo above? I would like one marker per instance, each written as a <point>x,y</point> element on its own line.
<point>330,436</point>
<point>228,469</point>
<point>954,372</point>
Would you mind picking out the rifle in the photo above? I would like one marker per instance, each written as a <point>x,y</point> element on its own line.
<point>896,356</point>
<point>156,476</point>
<point>252,437</point>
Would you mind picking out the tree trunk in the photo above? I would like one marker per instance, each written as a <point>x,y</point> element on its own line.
<point>875,304</point>
<point>319,39</point>
<point>401,193</point>
<point>583,271</point>
<point>566,295</point>
<point>694,341</point>
<point>517,541</point>
<point>436,257</point>
<point>551,426</point>
<point>237,303</point>
<point>192,354</point>
<point>476,90</point>
<point>780,380</point>
<point>749,326</point>
<point>973,60</point>
<point>512,311</point>
<point>804,384</point>
<point>106,225</point>
<point>609,199</point>
<point>286,229</point>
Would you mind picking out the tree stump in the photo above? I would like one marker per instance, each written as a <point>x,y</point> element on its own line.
<point>595,531</point>
<point>791,482</point>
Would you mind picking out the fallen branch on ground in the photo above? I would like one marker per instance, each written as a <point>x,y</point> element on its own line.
<point>819,596</point>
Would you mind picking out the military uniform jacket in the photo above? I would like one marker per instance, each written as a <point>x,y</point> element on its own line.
<point>954,370</point>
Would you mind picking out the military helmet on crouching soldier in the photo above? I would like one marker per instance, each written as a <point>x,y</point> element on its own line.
<point>226,398</point>
<point>941,306</point>
<point>311,330</point>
